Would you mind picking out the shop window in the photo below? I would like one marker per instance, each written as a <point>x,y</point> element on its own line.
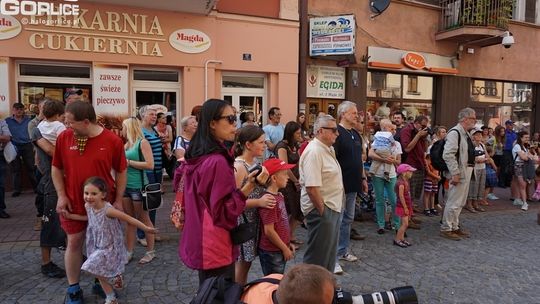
<point>152,75</point>
<point>384,85</point>
<point>31,93</point>
<point>486,91</point>
<point>377,110</point>
<point>418,87</point>
<point>164,98</point>
<point>45,70</point>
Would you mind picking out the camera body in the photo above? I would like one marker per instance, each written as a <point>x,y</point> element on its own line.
<point>255,167</point>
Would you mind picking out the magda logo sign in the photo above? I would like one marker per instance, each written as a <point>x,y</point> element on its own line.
<point>190,41</point>
<point>9,27</point>
<point>414,61</point>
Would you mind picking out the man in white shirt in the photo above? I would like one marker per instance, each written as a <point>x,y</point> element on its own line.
<point>321,205</point>
<point>273,131</point>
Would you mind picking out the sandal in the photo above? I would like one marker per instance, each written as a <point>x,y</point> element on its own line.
<point>470,209</point>
<point>400,244</point>
<point>480,209</point>
<point>406,243</point>
<point>148,257</point>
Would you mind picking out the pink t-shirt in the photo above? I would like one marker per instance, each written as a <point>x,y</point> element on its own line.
<point>277,216</point>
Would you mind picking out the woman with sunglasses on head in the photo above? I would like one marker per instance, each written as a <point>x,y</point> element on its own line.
<point>212,200</point>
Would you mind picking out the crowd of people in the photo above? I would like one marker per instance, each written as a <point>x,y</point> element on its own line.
<point>244,189</point>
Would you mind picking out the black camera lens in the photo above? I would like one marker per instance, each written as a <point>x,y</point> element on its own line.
<point>399,295</point>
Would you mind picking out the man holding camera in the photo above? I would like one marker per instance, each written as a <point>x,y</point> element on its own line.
<point>413,140</point>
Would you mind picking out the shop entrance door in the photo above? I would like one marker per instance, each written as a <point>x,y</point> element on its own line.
<point>247,102</point>
<point>167,99</point>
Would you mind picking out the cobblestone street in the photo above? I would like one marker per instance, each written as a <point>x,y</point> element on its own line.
<point>498,264</point>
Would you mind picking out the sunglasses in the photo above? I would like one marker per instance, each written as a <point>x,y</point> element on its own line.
<point>230,118</point>
<point>334,130</point>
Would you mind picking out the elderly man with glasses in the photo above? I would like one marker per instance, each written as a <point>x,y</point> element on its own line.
<point>321,205</point>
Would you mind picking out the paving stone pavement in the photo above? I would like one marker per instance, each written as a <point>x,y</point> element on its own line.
<point>498,264</point>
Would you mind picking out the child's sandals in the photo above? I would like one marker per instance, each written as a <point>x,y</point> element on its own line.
<point>400,244</point>
<point>148,257</point>
<point>117,282</point>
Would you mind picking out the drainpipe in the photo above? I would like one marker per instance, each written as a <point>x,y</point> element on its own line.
<point>303,49</point>
<point>206,75</point>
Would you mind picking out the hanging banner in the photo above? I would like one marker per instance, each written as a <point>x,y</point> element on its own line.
<point>325,82</point>
<point>110,94</point>
<point>4,88</point>
<point>332,35</point>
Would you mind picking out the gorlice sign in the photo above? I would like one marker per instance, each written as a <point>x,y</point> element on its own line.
<point>414,61</point>
<point>111,94</point>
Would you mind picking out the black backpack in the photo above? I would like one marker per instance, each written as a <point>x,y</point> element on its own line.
<point>437,150</point>
<point>221,290</point>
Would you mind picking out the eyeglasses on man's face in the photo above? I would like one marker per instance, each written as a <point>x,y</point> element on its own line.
<point>230,118</point>
<point>333,129</point>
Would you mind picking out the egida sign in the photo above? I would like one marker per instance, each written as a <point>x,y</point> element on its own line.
<point>34,8</point>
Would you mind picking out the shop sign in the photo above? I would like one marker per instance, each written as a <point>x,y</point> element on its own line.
<point>4,88</point>
<point>9,27</point>
<point>325,82</point>
<point>110,93</point>
<point>190,41</point>
<point>34,8</point>
<point>97,32</point>
<point>414,61</point>
<point>332,35</point>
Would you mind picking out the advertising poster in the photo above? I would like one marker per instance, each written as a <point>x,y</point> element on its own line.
<point>332,35</point>
<point>110,94</point>
<point>4,88</point>
<point>325,82</point>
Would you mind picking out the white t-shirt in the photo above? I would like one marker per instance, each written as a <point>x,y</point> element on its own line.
<point>479,158</point>
<point>396,150</point>
<point>515,151</point>
<point>50,130</point>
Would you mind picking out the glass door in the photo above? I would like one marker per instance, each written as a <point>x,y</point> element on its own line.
<point>164,98</point>
<point>245,104</point>
<point>247,93</point>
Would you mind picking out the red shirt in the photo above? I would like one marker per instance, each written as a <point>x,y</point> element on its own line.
<point>277,216</point>
<point>103,155</point>
<point>415,157</point>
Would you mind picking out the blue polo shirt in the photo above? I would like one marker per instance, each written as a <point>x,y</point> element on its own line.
<point>19,130</point>
<point>511,137</point>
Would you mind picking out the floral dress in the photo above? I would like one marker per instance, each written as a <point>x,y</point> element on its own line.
<point>248,250</point>
<point>105,247</point>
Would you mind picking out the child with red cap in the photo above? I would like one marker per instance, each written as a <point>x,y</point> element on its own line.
<point>274,247</point>
<point>404,203</point>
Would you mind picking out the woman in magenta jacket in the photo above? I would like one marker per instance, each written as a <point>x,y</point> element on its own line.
<point>212,200</point>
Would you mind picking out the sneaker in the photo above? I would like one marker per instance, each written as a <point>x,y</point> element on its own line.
<point>348,257</point>
<point>451,235</point>
<point>37,224</point>
<point>51,270</point>
<point>338,269</point>
<point>112,301</point>
<point>74,295</point>
<point>427,212</point>
<point>434,212</point>
<point>517,202</point>
<point>492,196</point>
<point>380,231</point>
<point>357,236</point>
<point>525,206</point>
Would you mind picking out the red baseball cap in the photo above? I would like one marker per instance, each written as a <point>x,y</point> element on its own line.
<point>274,165</point>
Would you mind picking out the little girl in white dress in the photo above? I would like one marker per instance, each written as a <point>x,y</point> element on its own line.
<point>105,247</point>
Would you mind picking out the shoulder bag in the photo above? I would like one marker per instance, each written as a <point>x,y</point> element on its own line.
<point>151,193</point>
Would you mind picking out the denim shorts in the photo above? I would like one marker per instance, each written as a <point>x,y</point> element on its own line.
<point>271,262</point>
<point>133,194</point>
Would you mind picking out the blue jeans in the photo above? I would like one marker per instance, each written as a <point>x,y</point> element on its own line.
<point>345,222</point>
<point>379,185</point>
<point>271,262</point>
<point>153,177</point>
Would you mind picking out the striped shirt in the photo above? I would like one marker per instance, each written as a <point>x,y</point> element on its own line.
<point>155,144</point>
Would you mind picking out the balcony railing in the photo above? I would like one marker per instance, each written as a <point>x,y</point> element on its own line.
<point>481,13</point>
